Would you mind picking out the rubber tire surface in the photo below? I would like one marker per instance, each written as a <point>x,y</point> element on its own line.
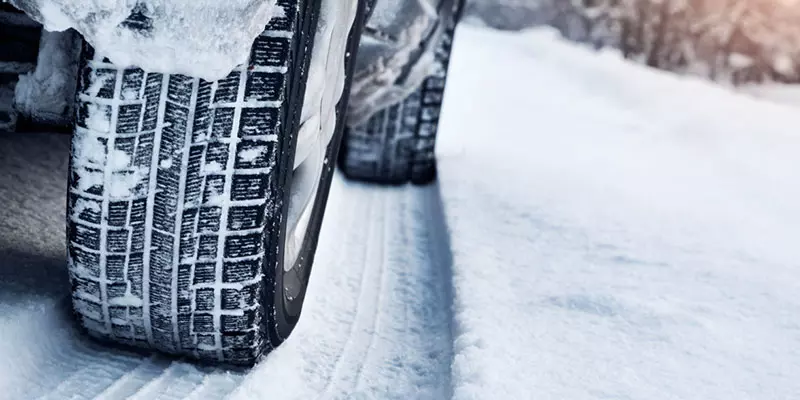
<point>178,197</point>
<point>397,144</point>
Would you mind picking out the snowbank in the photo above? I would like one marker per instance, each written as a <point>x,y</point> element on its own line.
<point>617,232</point>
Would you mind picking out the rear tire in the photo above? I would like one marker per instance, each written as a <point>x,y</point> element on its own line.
<point>178,199</point>
<point>397,144</point>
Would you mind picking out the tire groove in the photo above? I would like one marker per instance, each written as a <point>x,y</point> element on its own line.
<point>381,297</point>
<point>179,213</point>
<point>336,377</point>
<point>411,346</point>
<point>440,247</point>
<point>150,210</point>
<point>105,204</point>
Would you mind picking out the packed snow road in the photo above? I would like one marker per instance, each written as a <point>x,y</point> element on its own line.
<point>617,232</point>
<point>599,231</point>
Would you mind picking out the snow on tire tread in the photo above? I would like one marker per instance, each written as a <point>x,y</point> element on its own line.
<point>170,195</point>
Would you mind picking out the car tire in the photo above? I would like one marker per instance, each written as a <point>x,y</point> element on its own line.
<point>397,144</point>
<point>179,195</point>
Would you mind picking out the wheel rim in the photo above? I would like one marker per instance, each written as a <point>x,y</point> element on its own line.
<point>302,198</point>
<point>317,129</point>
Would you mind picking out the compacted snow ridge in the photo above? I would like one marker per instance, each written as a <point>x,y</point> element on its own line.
<point>599,231</point>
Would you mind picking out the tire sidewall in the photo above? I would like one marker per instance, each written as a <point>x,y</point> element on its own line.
<point>286,314</point>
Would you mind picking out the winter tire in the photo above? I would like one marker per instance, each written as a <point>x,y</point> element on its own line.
<point>397,144</point>
<point>181,194</point>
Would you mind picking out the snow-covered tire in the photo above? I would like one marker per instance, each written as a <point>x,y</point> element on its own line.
<point>178,199</point>
<point>397,144</point>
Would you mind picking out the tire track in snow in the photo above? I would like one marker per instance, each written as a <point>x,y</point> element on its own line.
<point>417,304</point>
<point>73,365</point>
<point>215,386</point>
<point>175,382</point>
<point>367,307</point>
<point>92,378</point>
<point>134,380</point>
<point>400,342</point>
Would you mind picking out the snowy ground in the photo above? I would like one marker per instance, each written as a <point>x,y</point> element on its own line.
<point>600,231</point>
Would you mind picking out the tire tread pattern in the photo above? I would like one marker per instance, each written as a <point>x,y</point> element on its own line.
<point>168,224</point>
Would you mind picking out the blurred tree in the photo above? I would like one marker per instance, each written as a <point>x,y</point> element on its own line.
<point>737,41</point>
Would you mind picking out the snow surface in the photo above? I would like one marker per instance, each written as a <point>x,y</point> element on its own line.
<point>617,232</point>
<point>781,94</point>
<point>599,231</point>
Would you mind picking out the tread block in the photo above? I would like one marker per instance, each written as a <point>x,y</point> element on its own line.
<point>238,340</point>
<point>203,323</point>
<point>207,247</point>
<point>227,89</point>
<point>264,86</point>
<point>241,270</point>
<point>252,154</point>
<point>233,299</point>
<point>269,51</point>
<point>115,268</point>
<point>250,187</point>
<point>238,323</point>
<point>246,217</point>
<point>244,245</point>
<point>85,236</point>
<point>117,241</point>
<point>205,273</point>
<point>209,219</point>
<point>204,300</point>
<point>88,262</point>
<point>259,121</point>
<point>180,88</point>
